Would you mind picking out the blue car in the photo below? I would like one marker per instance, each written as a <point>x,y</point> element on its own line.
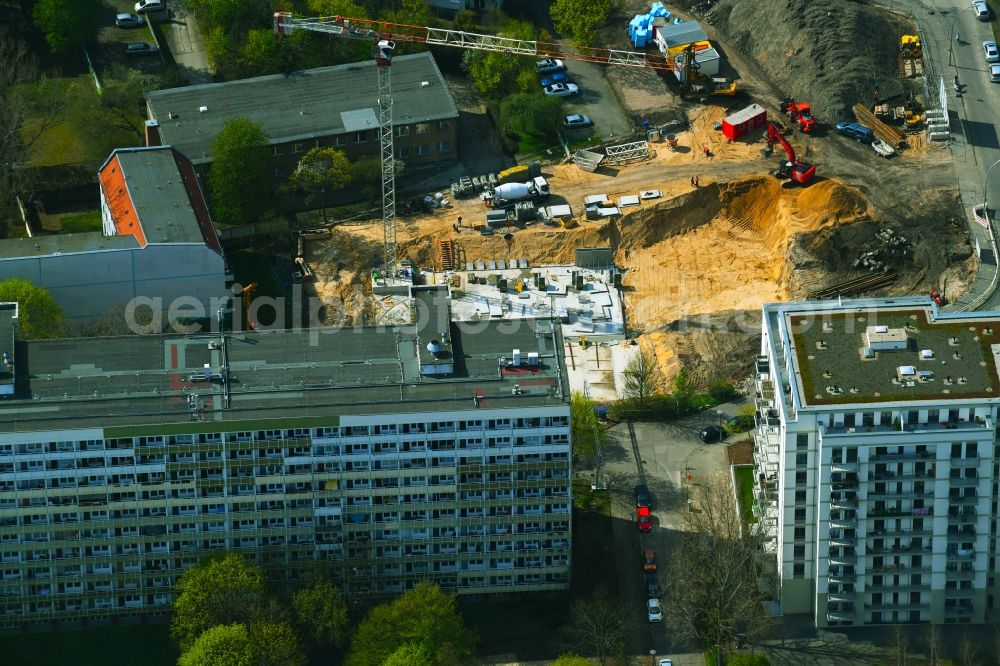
<point>558,77</point>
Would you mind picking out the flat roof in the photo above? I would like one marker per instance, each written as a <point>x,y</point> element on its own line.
<point>157,384</point>
<point>55,244</point>
<point>944,357</point>
<point>301,105</point>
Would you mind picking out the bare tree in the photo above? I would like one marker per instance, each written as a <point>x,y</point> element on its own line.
<point>642,379</point>
<point>899,643</point>
<point>597,626</point>
<point>933,643</point>
<point>714,582</point>
<point>967,650</point>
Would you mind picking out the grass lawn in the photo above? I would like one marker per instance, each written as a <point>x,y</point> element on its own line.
<point>744,490</point>
<point>112,646</point>
<point>80,222</point>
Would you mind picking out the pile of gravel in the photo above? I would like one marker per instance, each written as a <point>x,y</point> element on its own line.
<point>833,53</point>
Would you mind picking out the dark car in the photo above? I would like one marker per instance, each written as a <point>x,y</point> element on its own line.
<point>140,48</point>
<point>641,495</point>
<point>712,433</point>
<point>856,131</point>
<point>652,586</point>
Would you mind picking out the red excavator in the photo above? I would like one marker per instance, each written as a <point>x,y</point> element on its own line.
<point>799,172</point>
<point>800,113</point>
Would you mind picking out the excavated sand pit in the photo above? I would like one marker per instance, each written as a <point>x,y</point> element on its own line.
<point>691,259</point>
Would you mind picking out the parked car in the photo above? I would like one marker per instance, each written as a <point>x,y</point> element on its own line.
<point>140,48</point>
<point>652,586</point>
<point>557,77</point>
<point>990,49</point>
<point>653,610</point>
<point>649,560</point>
<point>575,120</point>
<point>561,89</point>
<point>549,65</point>
<point>126,20</point>
<point>149,6</point>
<point>883,148</point>
<point>644,518</point>
<point>995,73</point>
<point>712,433</point>
<point>981,10</point>
<point>856,131</point>
<point>642,495</point>
<point>666,662</point>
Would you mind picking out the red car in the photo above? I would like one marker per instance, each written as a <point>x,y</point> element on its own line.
<point>644,518</point>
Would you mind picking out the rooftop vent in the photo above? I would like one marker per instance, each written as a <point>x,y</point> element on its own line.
<point>425,84</point>
<point>202,109</point>
<point>434,347</point>
<point>926,354</point>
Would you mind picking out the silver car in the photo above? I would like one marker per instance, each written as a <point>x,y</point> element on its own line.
<point>990,49</point>
<point>561,89</point>
<point>995,73</point>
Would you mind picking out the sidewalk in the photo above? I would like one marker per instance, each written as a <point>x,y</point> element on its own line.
<point>187,46</point>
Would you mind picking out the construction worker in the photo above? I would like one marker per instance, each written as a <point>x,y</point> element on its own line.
<point>460,220</point>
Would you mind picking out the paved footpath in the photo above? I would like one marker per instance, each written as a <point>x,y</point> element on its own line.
<point>187,46</point>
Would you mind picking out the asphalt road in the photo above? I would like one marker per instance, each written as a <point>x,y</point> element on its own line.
<point>596,100</point>
<point>975,146</point>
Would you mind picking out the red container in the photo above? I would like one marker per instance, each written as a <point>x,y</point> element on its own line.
<point>744,121</point>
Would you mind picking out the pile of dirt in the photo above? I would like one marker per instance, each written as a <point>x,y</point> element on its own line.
<point>832,54</point>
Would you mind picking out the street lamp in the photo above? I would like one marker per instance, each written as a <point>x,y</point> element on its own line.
<point>986,182</point>
<point>953,37</point>
<point>652,657</point>
<point>721,416</point>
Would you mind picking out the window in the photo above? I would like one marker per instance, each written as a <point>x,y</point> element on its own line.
<point>799,550</point>
<point>799,570</point>
<point>443,146</point>
<point>800,515</point>
<point>423,128</point>
<point>361,137</point>
<point>298,147</point>
<point>402,152</point>
<point>443,124</point>
<point>278,149</point>
<point>340,140</point>
<point>402,130</point>
<point>422,149</point>
<point>800,496</point>
<point>800,478</point>
<point>800,533</point>
<point>802,440</point>
<point>801,459</point>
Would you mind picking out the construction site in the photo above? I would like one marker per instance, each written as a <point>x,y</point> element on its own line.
<point>718,204</point>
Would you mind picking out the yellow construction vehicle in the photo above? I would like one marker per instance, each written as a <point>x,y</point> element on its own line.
<point>910,45</point>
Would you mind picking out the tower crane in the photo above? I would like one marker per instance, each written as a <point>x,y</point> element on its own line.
<point>385,34</point>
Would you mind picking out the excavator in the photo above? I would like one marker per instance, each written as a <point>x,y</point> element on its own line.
<point>800,113</point>
<point>794,169</point>
<point>703,86</point>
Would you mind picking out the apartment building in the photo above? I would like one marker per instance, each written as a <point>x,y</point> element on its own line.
<point>875,464</point>
<point>430,451</point>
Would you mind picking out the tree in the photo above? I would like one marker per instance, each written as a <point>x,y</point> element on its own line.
<point>531,113</point>
<point>68,24</point>
<point>320,171</point>
<point>642,379</point>
<point>570,659</point>
<point>967,650</point>
<point>424,617</point>
<point>933,642</point>
<point>263,52</point>
<point>222,645</point>
<point>409,655</point>
<point>589,437</point>
<point>597,626</point>
<point>496,74</point>
<point>114,117</point>
<point>580,19</point>
<point>713,583</point>
<point>240,179</point>
<point>38,316</point>
<point>275,644</point>
<point>322,613</point>
<point>236,16</point>
<point>221,590</point>
<point>722,390</point>
<point>899,642</point>
<point>683,391</point>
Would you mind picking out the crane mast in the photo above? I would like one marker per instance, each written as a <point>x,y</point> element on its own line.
<point>385,34</point>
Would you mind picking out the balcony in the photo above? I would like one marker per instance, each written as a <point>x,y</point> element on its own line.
<point>964,481</point>
<point>897,568</point>
<point>839,616</point>
<point>962,553</point>
<point>958,610</point>
<point>847,559</point>
<point>964,462</point>
<point>847,521</point>
<point>892,512</point>
<point>837,539</point>
<point>897,606</point>
<point>959,593</point>
<point>847,467</point>
<point>902,549</point>
<point>964,499</point>
<point>843,502</point>
<point>840,597</point>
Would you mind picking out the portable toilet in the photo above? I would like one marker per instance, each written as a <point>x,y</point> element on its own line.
<point>744,121</point>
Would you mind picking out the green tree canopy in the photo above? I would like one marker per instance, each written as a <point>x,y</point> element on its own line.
<point>38,315</point>
<point>320,171</point>
<point>588,434</point>
<point>496,74</point>
<point>68,24</point>
<point>409,655</point>
<point>222,645</point>
<point>275,644</point>
<point>336,8</point>
<point>222,590</point>
<point>114,117</point>
<point>322,613</point>
<point>570,659</point>
<point>240,179</point>
<point>236,16</point>
<point>424,617</point>
<point>532,113</point>
<point>580,19</point>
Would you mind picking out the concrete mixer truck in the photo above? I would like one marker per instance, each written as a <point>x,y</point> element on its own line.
<point>508,194</point>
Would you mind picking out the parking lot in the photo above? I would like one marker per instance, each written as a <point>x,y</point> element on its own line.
<point>673,459</point>
<point>597,101</point>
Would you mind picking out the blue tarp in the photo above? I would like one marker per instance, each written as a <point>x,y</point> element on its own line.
<point>640,28</point>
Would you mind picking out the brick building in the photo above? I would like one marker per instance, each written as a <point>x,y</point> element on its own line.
<point>329,106</point>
